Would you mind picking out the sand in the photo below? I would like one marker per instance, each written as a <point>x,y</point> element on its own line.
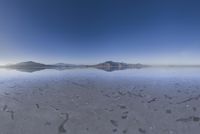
<point>86,102</point>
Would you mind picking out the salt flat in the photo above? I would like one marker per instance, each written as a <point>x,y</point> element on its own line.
<point>91,101</point>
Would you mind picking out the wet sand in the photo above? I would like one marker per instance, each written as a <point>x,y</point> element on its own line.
<point>79,103</point>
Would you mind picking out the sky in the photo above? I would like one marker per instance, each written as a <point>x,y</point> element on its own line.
<point>93,31</point>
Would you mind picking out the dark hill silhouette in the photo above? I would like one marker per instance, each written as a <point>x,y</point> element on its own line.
<point>112,66</point>
<point>31,66</point>
<point>28,64</point>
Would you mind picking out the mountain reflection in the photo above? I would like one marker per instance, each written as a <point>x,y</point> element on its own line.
<point>32,70</point>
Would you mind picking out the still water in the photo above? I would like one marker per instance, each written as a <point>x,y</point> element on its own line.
<point>89,72</point>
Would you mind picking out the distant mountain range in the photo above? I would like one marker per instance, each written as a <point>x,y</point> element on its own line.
<point>31,66</point>
<point>108,66</point>
<point>112,66</point>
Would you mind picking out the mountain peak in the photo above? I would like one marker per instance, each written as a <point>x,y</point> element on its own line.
<point>27,64</point>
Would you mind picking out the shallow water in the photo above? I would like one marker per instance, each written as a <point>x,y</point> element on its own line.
<point>144,73</point>
<point>82,101</point>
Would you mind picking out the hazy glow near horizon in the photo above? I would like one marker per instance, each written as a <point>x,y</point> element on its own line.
<point>88,32</point>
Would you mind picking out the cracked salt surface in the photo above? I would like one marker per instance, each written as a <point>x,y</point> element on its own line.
<point>144,101</point>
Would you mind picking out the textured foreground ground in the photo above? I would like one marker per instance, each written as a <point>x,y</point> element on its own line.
<point>97,105</point>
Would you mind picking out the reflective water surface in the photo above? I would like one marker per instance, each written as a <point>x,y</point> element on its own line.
<point>143,72</point>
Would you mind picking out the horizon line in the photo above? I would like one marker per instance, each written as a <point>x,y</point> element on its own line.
<point>154,65</point>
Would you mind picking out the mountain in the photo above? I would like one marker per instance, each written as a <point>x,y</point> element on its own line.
<point>109,66</point>
<point>112,66</point>
<point>28,64</point>
<point>65,65</point>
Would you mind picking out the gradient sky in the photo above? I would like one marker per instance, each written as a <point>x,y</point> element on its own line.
<point>92,31</point>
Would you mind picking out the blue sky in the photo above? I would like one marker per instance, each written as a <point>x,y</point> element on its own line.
<point>92,31</point>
